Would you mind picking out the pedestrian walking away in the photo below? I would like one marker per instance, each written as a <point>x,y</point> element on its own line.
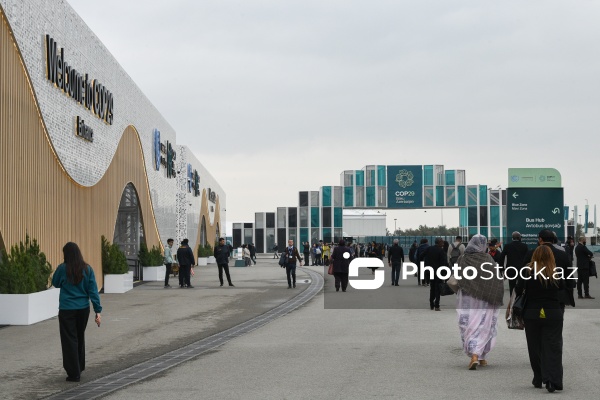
<point>435,257</point>
<point>455,250</point>
<point>584,255</point>
<point>543,318</point>
<point>186,260</point>
<point>478,303</point>
<point>395,260</point>
<point>77,284</point>
<point>292,256</point>
<point>341,265</point>
<point>513,255</point>
<point>221,254</point>
<point>168,262</point>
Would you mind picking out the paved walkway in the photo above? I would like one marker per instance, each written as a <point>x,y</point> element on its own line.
<point>401,350</point>
<point>138,325</point>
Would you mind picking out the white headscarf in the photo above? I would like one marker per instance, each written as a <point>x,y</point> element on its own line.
<point>477,244</point>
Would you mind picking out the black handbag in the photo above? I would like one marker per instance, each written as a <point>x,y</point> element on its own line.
<point>593,271</point>
<point>519,304</point>
<point>512,321</point>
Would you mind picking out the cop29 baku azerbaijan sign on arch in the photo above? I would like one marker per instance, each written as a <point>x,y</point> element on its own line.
<point>405,186</point>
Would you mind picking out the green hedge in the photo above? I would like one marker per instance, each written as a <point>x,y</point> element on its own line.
<point>150,258</point>
<point>113,259</point>
<point>24,269</point>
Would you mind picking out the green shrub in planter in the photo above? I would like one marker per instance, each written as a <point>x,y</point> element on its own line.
<point>24,269</point>
<point>150,258</point>
<point>205,251</point>
<point>113,259</point>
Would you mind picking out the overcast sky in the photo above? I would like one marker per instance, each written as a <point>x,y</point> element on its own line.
<point>275,97</point>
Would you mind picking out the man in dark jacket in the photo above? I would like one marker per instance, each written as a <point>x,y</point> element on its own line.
<point>513,254</point>
<point>584,255</point>
<point>252,249</point>
<point>395,260</point>
<point>546,238</point>
<point>186,260</point>
<point>292,256</point>
<point>341,265</point>
<point>221,254</point>
<point>306,250</point>
<point>435,257</point>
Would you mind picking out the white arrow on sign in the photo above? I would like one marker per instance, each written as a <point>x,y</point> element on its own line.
<point>515,195</point>
<point>556,210</point>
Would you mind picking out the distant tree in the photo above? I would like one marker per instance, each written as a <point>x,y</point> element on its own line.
<point>424,230</point>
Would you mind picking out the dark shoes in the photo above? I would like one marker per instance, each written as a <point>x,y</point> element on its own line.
<point>181,287</point>
<point>537,384</point>
<point>289,287</point>
<point>587,296</point>
<point>580,297</point>
<point>190,287</point>
<point>72,379</point>
<point>294,285</point>
<point>437,309</point>
<point>221,284</point>
<point>550,387</point>
<point>167,286</point>
<point>231,284</point>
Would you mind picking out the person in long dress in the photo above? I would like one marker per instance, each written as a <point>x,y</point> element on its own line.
<point>478,303</point>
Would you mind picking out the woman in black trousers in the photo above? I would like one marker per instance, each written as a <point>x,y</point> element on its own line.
<point>77,284</point>
<point>543,317</point>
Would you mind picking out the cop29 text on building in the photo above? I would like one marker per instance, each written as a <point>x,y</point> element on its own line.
<point>92,95</point>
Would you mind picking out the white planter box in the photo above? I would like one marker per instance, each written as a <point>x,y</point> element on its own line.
<point>212,260</point>
<point>118,283</point>
<point>154,274</point>
<point>27,309</point>
<point>202,261</point>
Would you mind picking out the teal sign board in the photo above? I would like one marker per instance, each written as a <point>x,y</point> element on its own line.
<point>405,186</point>
<point>530,210</point>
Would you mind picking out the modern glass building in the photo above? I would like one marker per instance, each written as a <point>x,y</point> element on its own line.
<point>83,152</point>
<point>319,214</point>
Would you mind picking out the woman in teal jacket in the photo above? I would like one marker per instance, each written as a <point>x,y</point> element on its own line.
<point>77,284</point>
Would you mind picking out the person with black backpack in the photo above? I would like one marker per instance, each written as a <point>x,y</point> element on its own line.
<point>455,250</point>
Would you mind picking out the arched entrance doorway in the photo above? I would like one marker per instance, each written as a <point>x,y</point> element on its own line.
<point>203,232</point>
<point>129,228</point>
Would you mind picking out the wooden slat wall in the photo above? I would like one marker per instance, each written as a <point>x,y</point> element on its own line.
<point>211,229</point>
<point>37,197</point>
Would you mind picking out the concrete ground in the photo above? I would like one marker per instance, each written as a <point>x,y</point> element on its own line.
<point>413,353</point>
<point>140,324</point>
<point>399,350</point>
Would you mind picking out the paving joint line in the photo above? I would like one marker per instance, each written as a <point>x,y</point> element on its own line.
<point>120,379</point>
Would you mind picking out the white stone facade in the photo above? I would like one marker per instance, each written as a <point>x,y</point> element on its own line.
<point>86,162</point>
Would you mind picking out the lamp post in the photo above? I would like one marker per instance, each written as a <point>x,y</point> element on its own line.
<point>395,226</point>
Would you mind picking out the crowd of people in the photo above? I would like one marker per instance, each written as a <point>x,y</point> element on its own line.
<point>543,276</point>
